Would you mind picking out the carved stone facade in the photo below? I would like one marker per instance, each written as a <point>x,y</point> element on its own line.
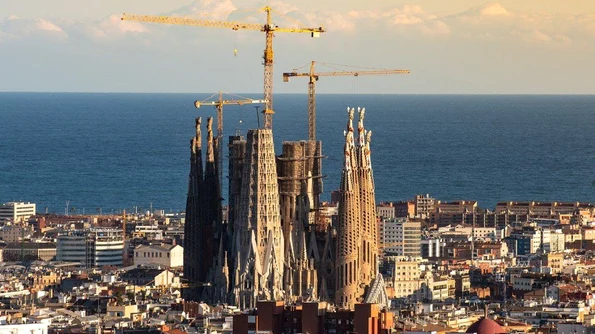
<point>270,248</point>
<point>300,185</point>
<point>258,237</point>
<point>357,248</point>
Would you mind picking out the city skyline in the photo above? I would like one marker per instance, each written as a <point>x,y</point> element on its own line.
<point>464,47</point>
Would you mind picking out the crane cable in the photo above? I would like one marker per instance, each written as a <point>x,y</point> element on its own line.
<point>235,43</point>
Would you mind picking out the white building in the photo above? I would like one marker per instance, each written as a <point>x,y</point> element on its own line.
<point>94,247</point>
<point>152,232</point>
<point>522,283</point>
<point>162,255</point>
<point>557,241</point>
<point>431,248</point>
<point>479,233</point>
<point>16,212</point>
<point>406,277</point>
<point>385,210</point>
<point>23,328</point>
<point>400,237</point>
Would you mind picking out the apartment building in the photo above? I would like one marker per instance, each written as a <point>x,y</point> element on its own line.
<point>93,247</point>
<point>163,255</point>
<point>16,212</point>
<point>400,237</point>
<point>424,205</point>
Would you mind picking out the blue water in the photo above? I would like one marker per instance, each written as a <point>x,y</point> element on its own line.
<point>116,151</point>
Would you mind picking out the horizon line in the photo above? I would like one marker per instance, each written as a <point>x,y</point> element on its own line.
<point>185,93</point>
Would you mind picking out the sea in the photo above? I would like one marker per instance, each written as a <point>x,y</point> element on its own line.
<point>109,152</point>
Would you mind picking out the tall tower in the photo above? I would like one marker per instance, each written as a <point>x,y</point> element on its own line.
<point>211,233</point>
<point>348,265</point>
<point>356,245</point>
<point>204,232</point>
<point>300,184</point>
<point>369,229</point>
<point>237,153</point>
<point>259,238</point>
<point>193,266</point>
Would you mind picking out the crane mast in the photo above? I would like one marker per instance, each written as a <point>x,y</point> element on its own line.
<point>312,87</point>
<point>218,104</point>
<point>312,105</point>
<point>268,77</point>
<point>268,58</point>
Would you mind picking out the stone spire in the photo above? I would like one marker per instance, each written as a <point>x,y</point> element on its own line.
<point>356,248</point>
<point>369,246</point>
<point>258,225</point>
<point>194,268</point>
<point>211,197</point>
<point>348,265</point>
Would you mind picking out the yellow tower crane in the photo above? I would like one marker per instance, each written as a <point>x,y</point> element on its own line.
<point>312,86</point>
<point>268,28</point>
<point>218,104</point>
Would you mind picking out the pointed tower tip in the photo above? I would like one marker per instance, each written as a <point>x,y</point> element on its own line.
<point>198,141</point>
<point>209,123</point>
<point>361,131</point>
<point>210,142</point>
<point>350,112</point>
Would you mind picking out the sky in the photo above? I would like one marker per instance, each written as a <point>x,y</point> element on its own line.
<point>451,47</point>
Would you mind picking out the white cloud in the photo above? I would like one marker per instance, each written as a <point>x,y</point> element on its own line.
<point>332,21</point>
<point>14,27</point>
<point>494,22</point>
<point>490,22</point>
<point>115,25</point>
<point>409,19</point>
<point>206,9</point>
<point>494,9</point>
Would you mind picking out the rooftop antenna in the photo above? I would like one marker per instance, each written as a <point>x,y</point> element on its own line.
<point>66,211</point>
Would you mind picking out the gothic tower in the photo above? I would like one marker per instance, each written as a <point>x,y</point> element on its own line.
<point>356,245</point>
<point>300,184</point>
<point>193,265</point>
<point>204,232</point>
<point>369,230</point>
<point>258,272</point>
<point>348,265</point>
